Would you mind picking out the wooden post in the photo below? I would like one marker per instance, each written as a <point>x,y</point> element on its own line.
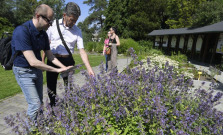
<point>154,42</point>
<point>215,46</point>
<point>161,42</point>
<point>185,44</point>
<point>193,50</point>
<point>177,44</point>
<point>202,45</point>
<point>205,48</point>
<point>169,44</point>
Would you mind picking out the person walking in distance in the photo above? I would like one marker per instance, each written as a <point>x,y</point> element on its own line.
<point>29,39</point>
<point>72,36</point>
<point>113,43</point>
<point>106,42</point>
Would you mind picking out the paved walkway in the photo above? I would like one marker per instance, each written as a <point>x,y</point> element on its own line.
<point>17,103</point>
<point>218,77</point>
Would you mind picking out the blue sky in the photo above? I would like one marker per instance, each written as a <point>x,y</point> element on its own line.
<point>84,9</point>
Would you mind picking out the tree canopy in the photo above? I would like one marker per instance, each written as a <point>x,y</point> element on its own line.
<point>16,12</point>
<point>132,18</point>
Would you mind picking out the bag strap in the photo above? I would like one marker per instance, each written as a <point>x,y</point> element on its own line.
<point>17,52</point>
<point>10,62</point>
<point>63,41</point>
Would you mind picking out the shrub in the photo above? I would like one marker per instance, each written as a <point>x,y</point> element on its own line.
<point>145,43</point>
<point>89,46</point>
<point>157,101</point>
<point>99,47</point>
<point>94,46</point>
<point>179,57</point>
<point>125,44</point>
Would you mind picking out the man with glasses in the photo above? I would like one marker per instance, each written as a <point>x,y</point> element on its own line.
<point>72,35</point>
<point>47,20</point>
<point>29,39</point>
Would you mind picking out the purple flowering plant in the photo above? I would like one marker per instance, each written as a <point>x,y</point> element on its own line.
<point>136,101</point>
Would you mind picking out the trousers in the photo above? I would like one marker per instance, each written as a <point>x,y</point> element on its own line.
<point>30,81</point>
<point>52,77</point>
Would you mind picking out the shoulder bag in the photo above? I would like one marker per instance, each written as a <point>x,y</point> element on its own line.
<point>108,49</point>
<point>63,41</point>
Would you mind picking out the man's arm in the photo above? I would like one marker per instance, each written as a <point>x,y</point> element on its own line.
<point>53,59</point>
<point>84,58</point>
<point>34,62</point>
<point>43,56</point>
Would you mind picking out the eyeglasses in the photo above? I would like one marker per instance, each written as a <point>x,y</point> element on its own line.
<point>47,20</point>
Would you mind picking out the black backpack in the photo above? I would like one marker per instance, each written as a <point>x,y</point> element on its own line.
<point>6,58</point>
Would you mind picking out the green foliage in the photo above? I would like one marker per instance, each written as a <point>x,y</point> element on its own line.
<point>142,19</point>
<point>24,10</point>
<point>86,32</point>
<point>154,51</point>
<point>125,44</point>
<point>181,11</point>
<point>6,10</point>
<point>116,16</point>
<point>20,11</point>
<point>57,5</point>
<point>135,19</point>
<point>94,46</point>
<point>179,57</point>
<point>90,46</point>
<point>141,48</point>
<point>209,12</point>
<point>97,10</point>
<point>87,37</point>
<point>8,84</point>
<point>146,43</point>
<point>5,26</point>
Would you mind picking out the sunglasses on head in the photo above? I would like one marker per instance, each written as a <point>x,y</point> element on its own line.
<point>47,20</point>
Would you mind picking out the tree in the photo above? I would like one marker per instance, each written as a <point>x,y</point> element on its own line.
<point>5,26</point>
<point>116,16</point>
<point>6,16</point>
<point>181,11</point>
<point>208,13</point>
<point>57,6</point>
<point>86,31</point>
<point>97,12</point>
<point>6,9</point>
<point>144,17</point>
<point>23,10</point>
<point>135,19</point>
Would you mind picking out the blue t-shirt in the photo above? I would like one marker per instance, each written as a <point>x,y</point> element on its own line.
<point>28,39</point>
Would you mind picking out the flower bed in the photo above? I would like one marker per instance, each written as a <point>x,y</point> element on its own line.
<point>152,101</point>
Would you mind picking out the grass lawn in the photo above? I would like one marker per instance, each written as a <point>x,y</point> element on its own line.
<point>9,86</point>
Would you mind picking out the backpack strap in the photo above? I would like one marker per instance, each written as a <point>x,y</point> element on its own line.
<point>17,52</point>
<point>8,65</point>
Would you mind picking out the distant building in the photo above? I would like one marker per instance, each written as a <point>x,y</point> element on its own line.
<point>204,44</point>
<point>95,37</point>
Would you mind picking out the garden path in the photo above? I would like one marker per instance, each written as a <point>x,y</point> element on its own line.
<point>17,103</point>
<point>218,82</point>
